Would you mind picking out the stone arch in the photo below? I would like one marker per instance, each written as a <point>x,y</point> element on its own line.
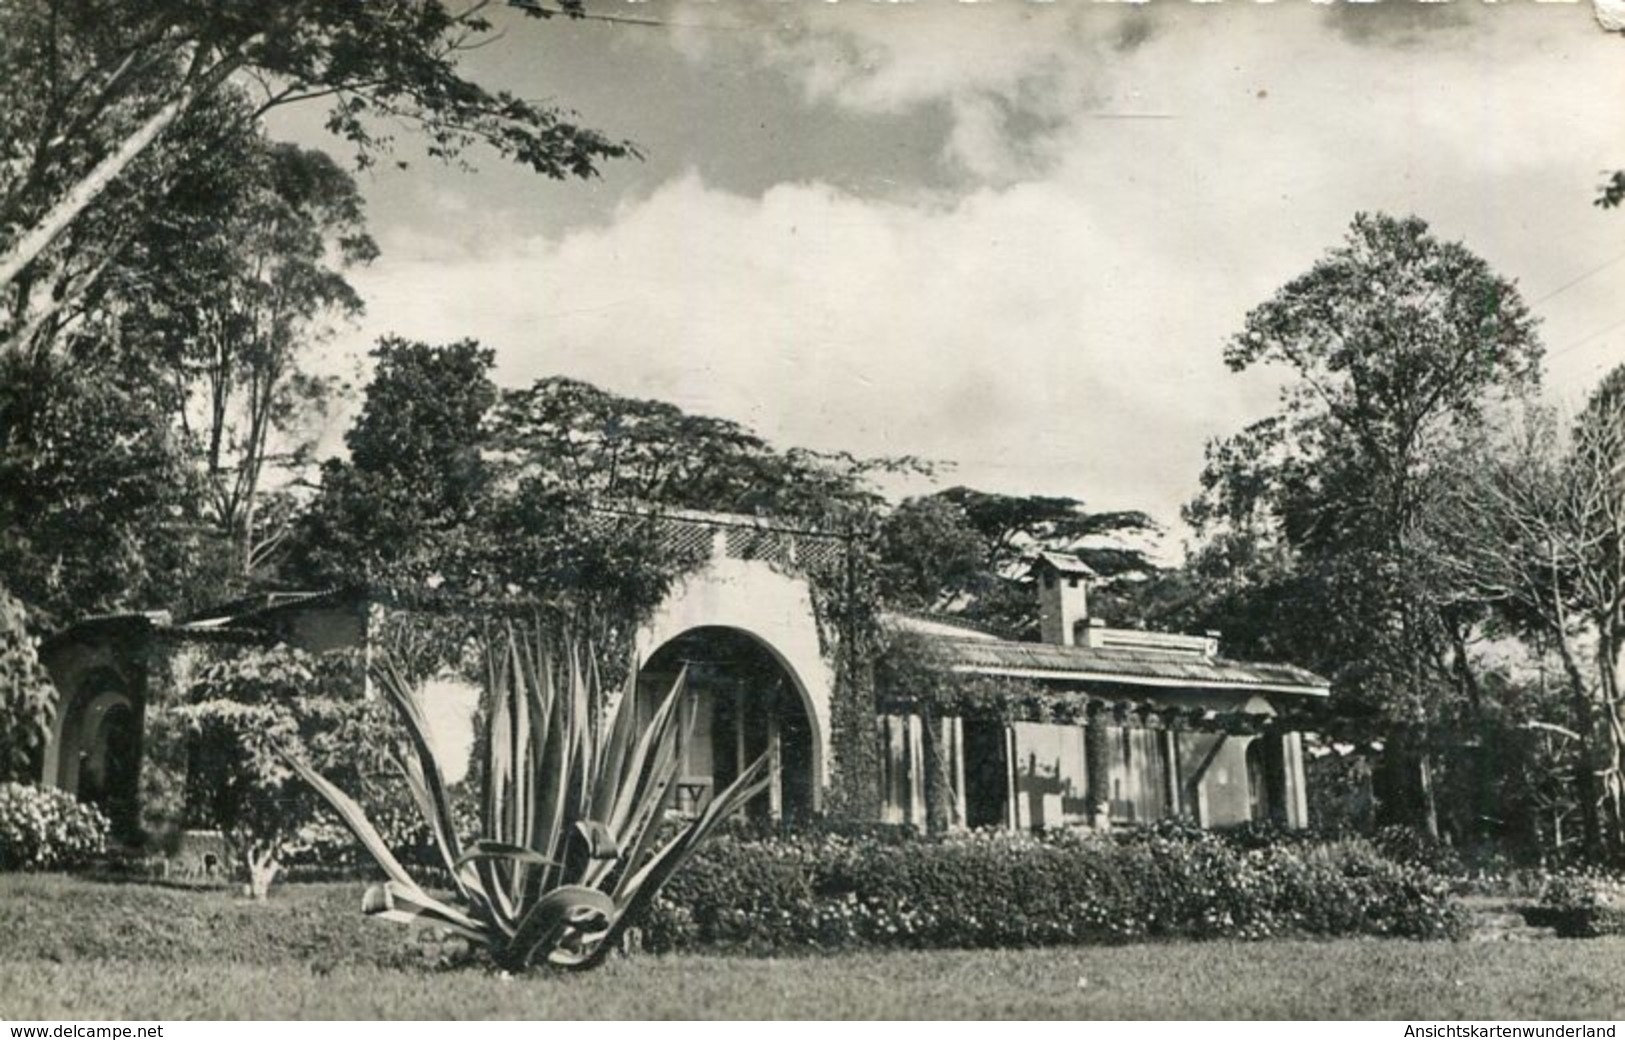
<point>750,600</point>
<point>98,746</point>
<point>741,701</point>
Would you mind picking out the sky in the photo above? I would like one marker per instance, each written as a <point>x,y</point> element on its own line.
<point>1009,236</point>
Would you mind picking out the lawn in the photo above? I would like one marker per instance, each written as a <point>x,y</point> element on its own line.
<point>80,949</point>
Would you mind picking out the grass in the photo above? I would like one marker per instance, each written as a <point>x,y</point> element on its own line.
<point>79,949</point>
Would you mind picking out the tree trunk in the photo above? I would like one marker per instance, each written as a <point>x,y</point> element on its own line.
<point>263,866</point>
<point>1427,802</point>
<point>1586,777</point>
<point>1610,732</point>
<point>50,226</point>
<point>56,220</point>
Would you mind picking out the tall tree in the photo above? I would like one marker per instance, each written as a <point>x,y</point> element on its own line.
<point>1534,523</point>
<point>1395,342</point>
<point>232,286</point>
<point>400,508</point>
<point>95,88</point>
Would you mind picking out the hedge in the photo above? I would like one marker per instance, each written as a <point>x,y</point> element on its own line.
<point>996,889</point>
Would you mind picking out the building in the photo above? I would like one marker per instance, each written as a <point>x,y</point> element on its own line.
<point>1134,726</point>
<point>1094,726</point>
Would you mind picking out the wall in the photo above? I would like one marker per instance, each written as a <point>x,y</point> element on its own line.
<point>773,608</point>
<point>83,672</point>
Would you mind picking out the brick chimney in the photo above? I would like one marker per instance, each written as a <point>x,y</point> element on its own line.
<point>1062,585</point>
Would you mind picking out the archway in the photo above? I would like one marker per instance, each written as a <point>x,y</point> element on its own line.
<point>742,700</point>
<point>100,756</point>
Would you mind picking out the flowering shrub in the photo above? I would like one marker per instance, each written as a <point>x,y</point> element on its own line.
<point>42,828</point>
<point>1408,845</point>
<point>995,889</point>
<point>1582,904</point>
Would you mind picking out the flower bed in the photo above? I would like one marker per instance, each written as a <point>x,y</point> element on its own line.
<point>994,889</point>
<point>42,828</point>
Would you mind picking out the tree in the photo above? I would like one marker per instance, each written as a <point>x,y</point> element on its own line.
<point>231,286</point>
<point>238,712</point>
<point>563,434</point>
<point>94,88</point>
<point>966,551</point>
<point>95,491</point>
<point>1535,525</point>
<point>400,508</point>
<point>27,696</point>
<point>1396,343</point>
<point>931,558</point>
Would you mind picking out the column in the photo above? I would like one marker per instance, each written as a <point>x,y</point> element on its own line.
<point>1097,763</point>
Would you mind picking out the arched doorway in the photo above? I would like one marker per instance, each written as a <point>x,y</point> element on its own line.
<point>741,701</point>
<point>108,777</point>
<point>100,756</point>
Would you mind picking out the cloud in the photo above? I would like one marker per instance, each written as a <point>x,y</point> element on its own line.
<point>1011,74</point>
<point>1058,330</point>
<point>1400,23</point>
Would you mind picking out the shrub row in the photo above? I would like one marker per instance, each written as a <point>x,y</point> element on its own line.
<point>43,828</point>
<point>993,889</point>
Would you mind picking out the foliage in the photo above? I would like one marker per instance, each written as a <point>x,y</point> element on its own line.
<point>128,951</point>
<point>232,284</point>
<point>573,794</point>
<point>1582,904</point>
<point>995,889</point>
<point>94,490</point>
<point>1532,522</point>
<point>565,434</point>
<point>1405,845</point>
<point>967,551</point>
<point>1612,193</point>
<point>27,696</point>
<point>240,709</point>
<point>931,556</point>
<point>400,508</point>
<point>1398,345</point>
<point>177,385</point>
<point>95,90</point>
<point>43,828</point>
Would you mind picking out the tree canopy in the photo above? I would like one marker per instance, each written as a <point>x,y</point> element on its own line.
<point>1397,346</point>
<point>966,551</point>
<point>97,93</point>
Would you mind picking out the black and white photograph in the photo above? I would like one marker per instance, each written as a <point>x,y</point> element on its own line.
<point>812,510</point>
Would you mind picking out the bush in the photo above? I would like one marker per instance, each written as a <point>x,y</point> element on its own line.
<point>27,697</point>
<point>1581,905</point>
<point>995,889</point>
<point>43,828</point>
<point>1412,847</point>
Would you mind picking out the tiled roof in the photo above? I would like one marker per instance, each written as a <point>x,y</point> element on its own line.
<point>1066,563</point>
<point>1129,667</point>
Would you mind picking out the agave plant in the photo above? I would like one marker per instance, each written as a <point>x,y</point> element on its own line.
<point>572,805</point>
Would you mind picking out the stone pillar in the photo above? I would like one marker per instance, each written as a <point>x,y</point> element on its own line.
<point>1170,772</point>
<point>942,811</point>
<point>1097,763</point>
<point>1296,781</point>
